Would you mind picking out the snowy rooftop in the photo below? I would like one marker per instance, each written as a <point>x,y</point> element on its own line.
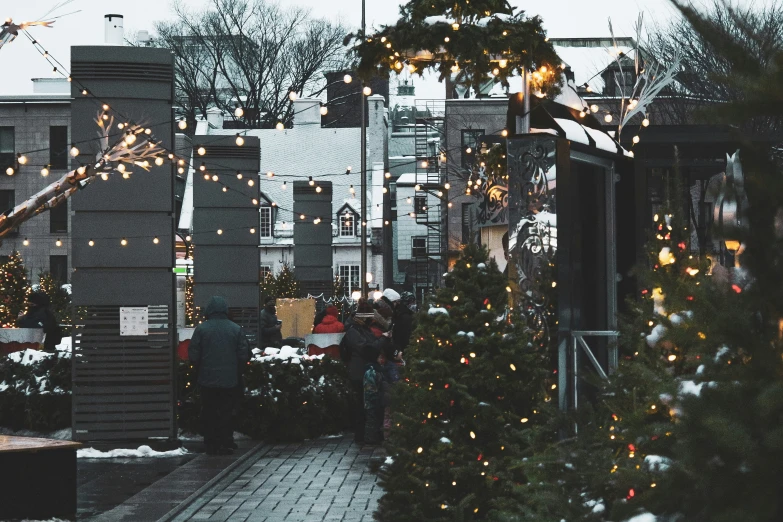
<point>589,57</point>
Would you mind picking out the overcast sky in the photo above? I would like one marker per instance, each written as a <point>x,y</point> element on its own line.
<point>20,62</point>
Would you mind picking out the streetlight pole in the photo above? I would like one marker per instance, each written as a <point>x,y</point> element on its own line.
<point>364,227</point>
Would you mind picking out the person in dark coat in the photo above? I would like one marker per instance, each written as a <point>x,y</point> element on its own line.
<point>40,315</point>
<point>268,325</point>
<point>330,322</point>
<point>217,350</point>
<point>358,349</point>
<point>402,328</point>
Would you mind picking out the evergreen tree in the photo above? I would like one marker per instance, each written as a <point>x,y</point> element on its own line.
<point>286,284</point>
<point>463,411</point>
<point>14,289</point>
<point>59,298</point>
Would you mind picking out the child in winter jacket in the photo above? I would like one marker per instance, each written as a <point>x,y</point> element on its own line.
<point>375,387</point>
<point>330,323</point>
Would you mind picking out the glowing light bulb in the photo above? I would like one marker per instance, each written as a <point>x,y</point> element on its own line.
<point>635,139</point>
<point>239,112</point>
<point>387,175</point>
<point>250,183</point>
<point>582,114</point>
<point>91,242</point>
<point>124,242</point>
<point>292,96</point>
<point>215,177</point>
<point>367,91</point>
<point>74,150</point>
<point>455,26</point>
<point>220,231</point>
<point>284,185</point>
<point>347,78</point>
<point>26,242</point>
<point>279,126</point>
<point>311,182</point>
<point>22,159</point>
<point>318,189</point>
<point>324,110</point>
<point>503,64</point>
<point>608,118</point>
<point>239,175</point>
<point>240,140</point>
<point>447,39</point>
<point>44,172</point>
<point>201,151</point>
<point>447,186</point>
<point>504,133</point>
<point>155,240</point>
<point>182,124</point>
<point>645,122</point>
<point>252,230</point>
<point>105,177</point>
<point>121,167</point>
<point>158,161</point>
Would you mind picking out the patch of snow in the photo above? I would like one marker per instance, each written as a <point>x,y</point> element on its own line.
<point>644,517</point>
<point>691,388</point>
<point>65,345</point>
<point>29,356</point>
<point>724,350</point>
<point>432,20</point>
<point>63,434</point>
<point>656,335</point>
<point>435,311</point>
<point>570,466</point>
<point>389,461</point>
<point>3,386</point>
<point>676,319</point>
<point>444,440</point>
<point>288,351</point>
<point>657,463</point>
<point>140,452</point>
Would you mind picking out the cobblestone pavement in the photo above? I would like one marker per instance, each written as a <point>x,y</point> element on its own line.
<point>322,480</point>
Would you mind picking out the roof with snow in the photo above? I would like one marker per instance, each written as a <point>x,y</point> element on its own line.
<point>589,57</point>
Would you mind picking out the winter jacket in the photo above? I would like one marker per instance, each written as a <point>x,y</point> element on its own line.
<point>328,325</point>
<point>43,317</point>
<point>267,327</point>
<point>358,349</point>
<point>402,329</point>
<point>373,387</point>
<point>218,348</point>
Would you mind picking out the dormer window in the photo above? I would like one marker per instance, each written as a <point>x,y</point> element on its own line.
<point>347,224</point>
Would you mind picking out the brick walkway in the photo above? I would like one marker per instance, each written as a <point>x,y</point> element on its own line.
<point>321,480</point>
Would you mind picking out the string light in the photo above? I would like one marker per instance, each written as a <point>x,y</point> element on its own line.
<point>608,118</point>
<point>74,150</point>
<point>324,110</point>
<point>250,183</point>
<point>26,242</point>
<point>347,78</point>
<point>239,175</point>
<point>182,124</point>
<point>201,151</point>
<point>155,240</point>
<point>311,182</point>
<point>220,231</point>
<point>635,139</point>
<point>279,126</point>
<point>22,159</point>
<point>284,185</point>
<point>44,172</point>
<point>367,91</point>
<point>9,171</point>
<point>239,112</point>
<point>158,161</point>
<point>124,242</point>
<point>645,122</point>
<point>240,140</point>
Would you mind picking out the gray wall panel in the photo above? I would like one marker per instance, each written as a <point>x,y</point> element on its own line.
<point>107,228</point>
<point>235,264</point>
<point>235,224</point>
<point>313,243</point>
<point>236,294</point>
<point>122,287</point>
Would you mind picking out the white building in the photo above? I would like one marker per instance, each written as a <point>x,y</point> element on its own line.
<point>309,150</point>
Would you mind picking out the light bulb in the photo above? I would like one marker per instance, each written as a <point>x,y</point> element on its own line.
<point>22,159</point>
<point>105,177</point>
<point>594,108</point>
<point>44,172</point>
<point>417,188</point>
<point>156,240</point>
<point>582,114</point>
<point>239,112</point>
<point>9,171</point>
<point>250,183</point>
<point>292,96</point>
<point>302,216</point>
<point>283,187</point>
<point>311,182</point>
<point>220,231</point>
<point>270,174</point>
<point>367,91</point>
<point>447,186</point>
<point>324,110</point>
<point>201,151</point>
<point>225,189</point>
<point>158,161</point>
<point>124,242</point>
<point>182,124</point>
<point>455,26</point>
<point>279,126</point>
<point>74,150</point>
<point>215,177</point>
<point>495,71</point>
<point>121,167</point>
<point>26,242</point>
<point>252,230</point>
<point>387,175</point>
<point>608,118</point>
<point>188,238</point>
<point>385,190</point>
<point>447,39</point>
<point>240,140</point>
<point>318,189</point>
<point>130,139</point>
<point>206,177</point>
<point>239,175</point>
<point>255,202</point>
<point>645,122</point>
<point>120,125</point>
<point>91,242</point>
<point>635,139</point>
<point>126,175</point>
<point>504,133</point>
<point>347,78</point>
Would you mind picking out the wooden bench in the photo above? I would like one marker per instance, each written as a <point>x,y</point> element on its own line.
<point>37,478</point>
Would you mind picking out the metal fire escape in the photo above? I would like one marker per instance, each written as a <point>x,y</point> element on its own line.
<point>428,259</point>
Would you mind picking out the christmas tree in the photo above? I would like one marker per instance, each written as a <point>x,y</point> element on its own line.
<point>462,414</point>
<point>286,285</point>
<point>59,298</point>
<point>14,289</point>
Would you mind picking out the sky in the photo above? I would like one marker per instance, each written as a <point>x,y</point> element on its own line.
<point>20,62</point>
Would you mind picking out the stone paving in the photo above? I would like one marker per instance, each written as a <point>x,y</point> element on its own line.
<point>322,480</point>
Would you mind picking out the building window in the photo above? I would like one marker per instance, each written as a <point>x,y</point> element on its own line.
<point>347,225</point>
<point>265,272</point>
<point>7,200</point>
<point>58,218</point>
<point>58,267</point>
<point>420,205</point>
<point>7,148</point>
<point>467,223</point>
<point>470,142</point>
<point>58,147</point>
<point>266,222</point>
<point>349,277</point>
<point>419,247</point>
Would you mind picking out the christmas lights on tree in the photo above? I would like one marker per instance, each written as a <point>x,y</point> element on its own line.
<point>14,289</point>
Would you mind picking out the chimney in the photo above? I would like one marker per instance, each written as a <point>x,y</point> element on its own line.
<point>113,29</point>
<point>215,118</point>
<point>307,111</point>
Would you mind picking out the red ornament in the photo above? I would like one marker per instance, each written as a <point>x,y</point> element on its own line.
<point>631,447</point>
<point>481,456</point>
<point>486,301</point>
<point>689,298</point>
<point>736,288</point>
<point>645,291</point>
<point>631,494</point>
<point>446,386</point>
<point>682,245</point>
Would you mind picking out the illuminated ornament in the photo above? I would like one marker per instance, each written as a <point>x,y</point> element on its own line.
<point>513,367</point>
<point>666,257</point>
<point>201,151</point>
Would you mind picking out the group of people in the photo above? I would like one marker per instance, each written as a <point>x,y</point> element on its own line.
<point>372,348</point>
<point>376,335</point>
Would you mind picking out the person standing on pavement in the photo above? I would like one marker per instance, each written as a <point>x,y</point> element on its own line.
<point>358,349</point>
<point>403,321</point>
<point>217,350</point>
<point>270,326</point>
<point>40,315</point>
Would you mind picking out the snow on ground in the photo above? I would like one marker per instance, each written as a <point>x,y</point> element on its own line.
<point>29,356</point>
<point>63,434</point>
<point>194,437</point>
<point>284,354</point>
<point>644,517</point>
<point>142,451</point>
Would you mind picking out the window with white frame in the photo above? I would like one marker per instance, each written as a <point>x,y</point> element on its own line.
<point>347,224</point>
<point>265,271</point>
<point>266,221</point>
<point>349,277</point>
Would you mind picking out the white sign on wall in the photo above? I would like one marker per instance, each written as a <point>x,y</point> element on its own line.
<point>134,320</point>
